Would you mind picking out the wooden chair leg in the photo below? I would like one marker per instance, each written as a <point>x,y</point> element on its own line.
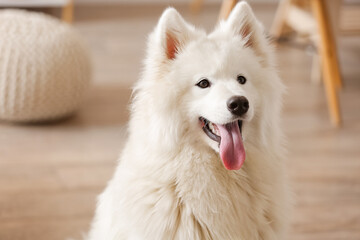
<point>68,12</point>
<point>334,10</point>
<point>335,66</point>
<point>326,47</point>
<point>226,7</point>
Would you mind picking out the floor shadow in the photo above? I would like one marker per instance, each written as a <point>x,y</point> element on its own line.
<point>104,105</point>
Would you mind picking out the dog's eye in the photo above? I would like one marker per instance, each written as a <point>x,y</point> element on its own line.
<point>241,79</point>
<point>204,83</point>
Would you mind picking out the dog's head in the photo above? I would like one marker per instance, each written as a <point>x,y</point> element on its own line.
<point>218,90</point>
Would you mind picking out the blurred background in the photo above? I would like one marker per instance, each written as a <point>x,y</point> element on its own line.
<point>51,172</point>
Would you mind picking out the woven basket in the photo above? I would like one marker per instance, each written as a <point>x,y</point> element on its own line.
<point>44,67</point>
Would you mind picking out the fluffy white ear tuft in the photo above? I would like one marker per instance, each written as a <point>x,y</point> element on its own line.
<point>243,22</point>
<point>173,32</point>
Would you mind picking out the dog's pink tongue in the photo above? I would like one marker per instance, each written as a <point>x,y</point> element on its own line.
<point>232,150</point>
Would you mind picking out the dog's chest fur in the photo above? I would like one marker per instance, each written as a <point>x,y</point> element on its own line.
<point>197,199</point>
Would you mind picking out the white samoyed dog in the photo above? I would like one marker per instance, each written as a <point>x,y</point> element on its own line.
<point>204,158</point>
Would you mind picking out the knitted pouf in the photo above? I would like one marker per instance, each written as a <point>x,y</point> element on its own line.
<point>44,67</point>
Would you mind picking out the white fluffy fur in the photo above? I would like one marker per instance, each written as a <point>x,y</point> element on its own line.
<point>170,182</point>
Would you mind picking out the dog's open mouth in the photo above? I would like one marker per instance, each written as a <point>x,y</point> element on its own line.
<point>212,129</point>
<point>229,137</point>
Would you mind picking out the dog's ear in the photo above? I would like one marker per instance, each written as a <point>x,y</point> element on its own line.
<point>173,32</point>
<point>243,22</point>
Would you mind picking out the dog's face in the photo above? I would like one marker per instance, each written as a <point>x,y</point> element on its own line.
<point>216,85</point>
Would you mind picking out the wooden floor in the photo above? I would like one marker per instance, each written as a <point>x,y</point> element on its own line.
<point>51,174</point>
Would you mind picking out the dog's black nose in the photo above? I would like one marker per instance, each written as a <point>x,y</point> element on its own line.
<point>238,105</point>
